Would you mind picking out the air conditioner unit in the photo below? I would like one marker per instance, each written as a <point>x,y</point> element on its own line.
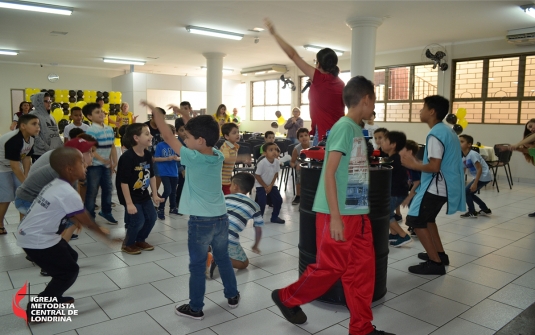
<point>520,37</point>
<point>265,70</point>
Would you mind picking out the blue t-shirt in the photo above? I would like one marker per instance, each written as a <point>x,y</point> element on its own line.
<point>414,175</point>
<point>168,168</point>
<point>202,194</point>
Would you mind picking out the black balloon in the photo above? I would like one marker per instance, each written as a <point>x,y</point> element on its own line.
<point>44,90</point>
<point>72,99</point>
<point>51,93</point>
<point>451,119</point>
<point>62,124</point>
<point>55,105</point>
<point>65,105</point>
<point>458,129</point>
<point>72,93</point>
<point>79,93</point>
<point>65,111</point>
<point>106,100</point>
<point>105,94</point>
<point>99,94</point>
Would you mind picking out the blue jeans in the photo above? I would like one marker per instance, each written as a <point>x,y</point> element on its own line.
<point>169,190</point>
<point>394,203</point>
<point>471,197</point>
<point>202,232</point>
<point>98,176</point>
<point>138,226</point>
<point>275,197</point>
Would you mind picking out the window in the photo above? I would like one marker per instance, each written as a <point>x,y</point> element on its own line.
<point>495,89</point>
<point>268,96</point>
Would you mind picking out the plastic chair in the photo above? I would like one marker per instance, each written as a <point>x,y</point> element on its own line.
<point>288,171</point>
<point>244,149</point>
<point>421,150</point>
<point>503,160</point>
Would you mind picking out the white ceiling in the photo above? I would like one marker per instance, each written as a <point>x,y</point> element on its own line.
<point>143,30</point>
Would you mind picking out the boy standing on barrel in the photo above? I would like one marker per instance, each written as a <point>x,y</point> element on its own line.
<point>343,230</point>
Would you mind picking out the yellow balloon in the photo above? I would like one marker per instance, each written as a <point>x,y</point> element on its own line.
<point>463,123</point>
<point>119,95</point>
<point>81,104</point>
<point>28,97</point>
<point>57,114</point>
<point>461,113</point>
<point>28,91</point>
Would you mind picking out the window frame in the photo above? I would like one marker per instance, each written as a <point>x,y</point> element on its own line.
<point>251,86</point>
<point>520,97</point>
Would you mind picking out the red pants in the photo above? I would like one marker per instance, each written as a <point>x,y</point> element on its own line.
<point>226,189</point>
<point>352,260</point>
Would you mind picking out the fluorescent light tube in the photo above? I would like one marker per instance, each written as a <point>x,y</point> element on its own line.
<point>36,7</point>
<point>316,48</point>
<point>213,32</point>
<point>123,61</point>
<point>224,70</point>
<point>530,11</point>
<point>9,52</point>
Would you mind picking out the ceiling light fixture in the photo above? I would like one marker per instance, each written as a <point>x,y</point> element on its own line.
<point>529,9</point>
<point>9,52</point>
<point>123,61</point>
<point>224,70</point>
<point>36,7</point>
<point>316,48</point>
<point>265,69</point>
<point>214,32</point>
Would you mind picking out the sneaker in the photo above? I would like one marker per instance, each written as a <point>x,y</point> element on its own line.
<point>161,214</point>
<point>144,246</point>
<point>212,268</point>
<point>278,220</point>
<point>379,332</point>
<point>74,237</point>
<point>398,218</point>
<point>401,241</point>
<point>185,310</point>
<point>443,257</point>
<point>485,212</point>
<point>174,211</point>
<point>531,215</point>
<point>131,249</point>
<point>29,259</point>
<point>234,302</point>
<point>428,268</point>
<point>469,215</point>
<point>109,217</point>
<point>412,232</point>
<point>297,200</point>
<point>66,300</point>
<point>392,237</point>
<point>44,273</point>
<point>295,315</point>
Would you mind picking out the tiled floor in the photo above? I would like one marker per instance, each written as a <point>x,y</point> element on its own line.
<point>491,280</point>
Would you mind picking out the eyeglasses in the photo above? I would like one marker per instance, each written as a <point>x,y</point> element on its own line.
<point>47,101</point>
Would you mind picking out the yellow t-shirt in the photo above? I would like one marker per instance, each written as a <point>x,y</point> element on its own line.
<point>125,119</point>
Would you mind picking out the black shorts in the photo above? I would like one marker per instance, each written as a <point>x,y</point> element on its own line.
<point>429,209</point>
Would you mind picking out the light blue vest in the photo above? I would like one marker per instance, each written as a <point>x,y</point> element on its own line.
<point>451,169</point>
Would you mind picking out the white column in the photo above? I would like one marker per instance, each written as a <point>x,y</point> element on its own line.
<point>214,80</point>
<point>363,36</point>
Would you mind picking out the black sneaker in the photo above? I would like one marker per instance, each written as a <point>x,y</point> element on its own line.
<point>428,268</point>
<point>485,212</point>
<point>398,218</point>
<point>531,215</point>
<point>278,220</point>
<point>297,200</point>
<point>44,273</point>
<point>185,310</point>
<point>295,315</point>
<point>469,215</point>
<point>212,268</point>
<point>412,232</point>
<point>234,302</point>
<point>29,259</point>
<point>379,332</point>
<point>443,257</point>
<point>74,237</point>
<point>66,300</point>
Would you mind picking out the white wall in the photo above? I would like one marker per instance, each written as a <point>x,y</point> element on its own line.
<point>19,76</point>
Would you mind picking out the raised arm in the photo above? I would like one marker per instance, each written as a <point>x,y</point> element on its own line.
<point>290,51</point>
<point>165,131</point>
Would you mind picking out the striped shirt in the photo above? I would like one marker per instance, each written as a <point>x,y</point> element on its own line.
<point>229,150</point>
<point>240,209</point>
<point>105,141</point>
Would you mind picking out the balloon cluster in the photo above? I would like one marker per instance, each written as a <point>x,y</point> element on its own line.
<point>458,120</point>
<point>64,100</point>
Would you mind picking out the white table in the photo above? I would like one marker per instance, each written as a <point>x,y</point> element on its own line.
<point>488,153</point>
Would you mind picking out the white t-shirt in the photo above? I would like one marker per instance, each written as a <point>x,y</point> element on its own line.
<point>47,217</point>
<point>267,171</point>
<point>13,147</point>
<point>469,162</point>
<point>435,149</point>
<point>371,129</point>
<point>70,127</point>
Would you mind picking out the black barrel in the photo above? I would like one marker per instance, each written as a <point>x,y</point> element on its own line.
<point>379,200</point>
